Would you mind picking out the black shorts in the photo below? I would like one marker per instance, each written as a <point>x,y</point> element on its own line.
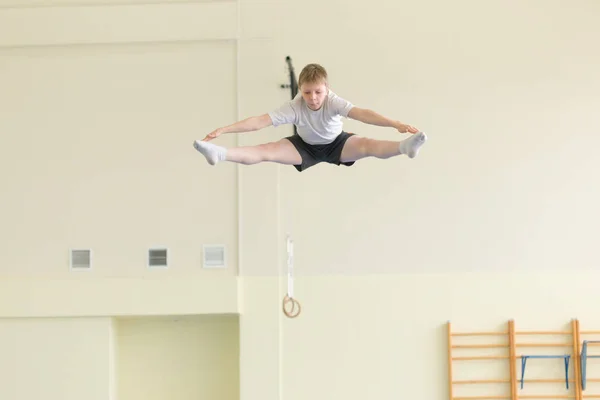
<point>313,154</point>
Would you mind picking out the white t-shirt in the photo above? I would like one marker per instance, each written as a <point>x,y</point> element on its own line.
<point>314,127</point>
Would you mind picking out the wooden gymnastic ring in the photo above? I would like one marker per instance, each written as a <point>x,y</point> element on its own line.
<point>291,314</point>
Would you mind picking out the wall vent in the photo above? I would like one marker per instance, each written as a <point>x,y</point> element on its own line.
<point>158,257</point>
<point>214,256</point>
<point>81,259</point>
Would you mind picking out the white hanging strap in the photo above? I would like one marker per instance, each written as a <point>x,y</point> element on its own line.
<point>290,267</point>
<point>291,307</point>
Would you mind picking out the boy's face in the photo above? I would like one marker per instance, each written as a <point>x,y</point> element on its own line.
<point>314,94</point>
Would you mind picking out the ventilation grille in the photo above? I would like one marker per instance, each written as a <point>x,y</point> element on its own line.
<point>81,259</point>
<point>214,256</point>
<point>157,257</point>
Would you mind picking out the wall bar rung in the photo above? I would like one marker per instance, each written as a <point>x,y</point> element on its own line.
<point>543,333</point>
<point>480,334</point>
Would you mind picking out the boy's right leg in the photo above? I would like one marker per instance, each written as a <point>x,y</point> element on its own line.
<point>282,152</point>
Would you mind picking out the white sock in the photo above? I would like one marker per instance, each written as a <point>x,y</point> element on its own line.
<point>411,146</point>
<point>212,152</point>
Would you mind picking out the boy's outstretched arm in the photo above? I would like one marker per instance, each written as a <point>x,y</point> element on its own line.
<point>371,117</point>
<point>246,125</point>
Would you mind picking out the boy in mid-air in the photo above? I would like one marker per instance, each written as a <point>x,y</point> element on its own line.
<point>317,113</point>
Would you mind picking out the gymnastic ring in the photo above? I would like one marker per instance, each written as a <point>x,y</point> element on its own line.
<point>291,314</point>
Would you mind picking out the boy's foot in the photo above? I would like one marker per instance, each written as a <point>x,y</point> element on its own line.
<point>411,146</point>
<point>211,152</point>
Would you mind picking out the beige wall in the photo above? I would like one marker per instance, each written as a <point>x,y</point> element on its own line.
<point>183,357</point>
<point>98,119</point>
<point>56,358</point>
<point>385,337</point>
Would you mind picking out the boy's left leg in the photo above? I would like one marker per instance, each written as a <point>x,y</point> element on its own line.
<point>357,147</point>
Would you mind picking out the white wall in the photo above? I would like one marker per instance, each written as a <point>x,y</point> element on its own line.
<point>494,220</point>
<point>97,145</point>
<point>506,180</point>
<point>99,106</point>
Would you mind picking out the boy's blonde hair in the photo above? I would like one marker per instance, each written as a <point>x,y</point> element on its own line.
<point>312,73</point>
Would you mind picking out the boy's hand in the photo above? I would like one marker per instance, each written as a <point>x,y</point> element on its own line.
<point>214,134</point>
<point>403,128</point>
